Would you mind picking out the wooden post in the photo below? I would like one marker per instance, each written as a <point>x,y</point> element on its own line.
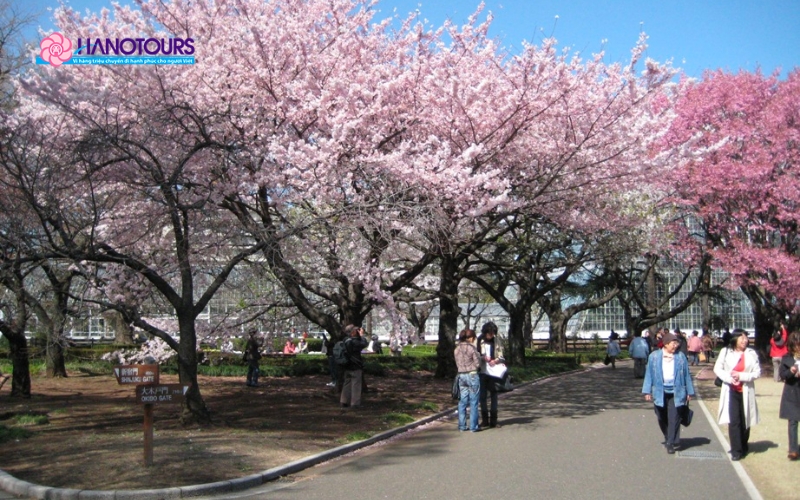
<point>148,435</point>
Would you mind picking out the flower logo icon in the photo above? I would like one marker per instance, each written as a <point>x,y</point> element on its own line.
<point>56,49</point>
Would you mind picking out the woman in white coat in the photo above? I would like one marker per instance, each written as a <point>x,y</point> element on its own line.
<point>738,367</point>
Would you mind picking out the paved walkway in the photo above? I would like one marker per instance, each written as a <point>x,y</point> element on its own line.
<point>588,434</point>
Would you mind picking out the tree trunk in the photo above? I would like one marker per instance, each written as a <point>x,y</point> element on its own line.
<point>765,318</point>
<point>123,334</point>
<point>558,333</point>
<point>448,319</point>
<point>54,357</point>
<point>527,329</point>
<point>21,372</point>
<point>516,337</point>
<point>195,410</point>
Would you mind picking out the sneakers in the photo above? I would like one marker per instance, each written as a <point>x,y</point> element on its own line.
<point>331,384</point>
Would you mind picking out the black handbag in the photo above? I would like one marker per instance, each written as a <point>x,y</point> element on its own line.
<point>456,391</point>
<point>686,415</point>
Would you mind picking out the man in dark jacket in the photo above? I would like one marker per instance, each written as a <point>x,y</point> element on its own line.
<point>353,370</point>
<point>252,353</point>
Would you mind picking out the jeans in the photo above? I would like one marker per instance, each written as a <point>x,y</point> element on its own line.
<point>793,446</point>
<point>669,420</point>
<point>252,374</point>
<point>469,386</point>
<point>694,358</point>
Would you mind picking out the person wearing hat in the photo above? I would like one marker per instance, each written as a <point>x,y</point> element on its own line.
<point>668,384</point>
<point>738,368</point>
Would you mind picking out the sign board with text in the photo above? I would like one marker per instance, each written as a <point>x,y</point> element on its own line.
<point>136,374</point>
<point>161,393</point>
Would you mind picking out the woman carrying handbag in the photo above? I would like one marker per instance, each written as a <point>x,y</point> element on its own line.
<point>790,399</point>
<point>738,368</point>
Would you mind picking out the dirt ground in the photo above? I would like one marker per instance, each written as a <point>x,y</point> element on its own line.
<point>94,435</point>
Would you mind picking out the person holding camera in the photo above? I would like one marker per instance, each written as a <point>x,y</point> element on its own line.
<point>354,343</point>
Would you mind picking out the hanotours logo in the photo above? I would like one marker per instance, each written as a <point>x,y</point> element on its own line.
<point>57,49</point>
<point>138,46</point>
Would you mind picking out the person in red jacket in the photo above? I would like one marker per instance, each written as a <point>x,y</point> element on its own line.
<point>777,350</point>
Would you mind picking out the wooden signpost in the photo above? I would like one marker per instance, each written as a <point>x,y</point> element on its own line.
<point>136,374</point>
<point>148,393</point>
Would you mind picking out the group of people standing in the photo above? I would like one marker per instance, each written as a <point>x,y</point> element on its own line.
<point>474,355</point>
<point>668,384</point>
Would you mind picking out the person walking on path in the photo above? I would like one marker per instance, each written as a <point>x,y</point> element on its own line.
<point>777,350</point>
<point>639,350</point>
<point>738,369</point>
<point>252,353</point>
<point>708,345</point>
<point>790,399</point>
<point>354,369</point>
<point>468,361</point>
<point>694,347</point>
<point>613,349</point>
<point>668,384</point>
<point>491,354</point>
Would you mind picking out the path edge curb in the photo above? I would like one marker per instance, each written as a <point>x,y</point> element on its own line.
<point>25,489</point>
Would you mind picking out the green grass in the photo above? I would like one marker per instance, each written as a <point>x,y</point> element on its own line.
<point>13,433</point>
<point>427,406</point>
<point>397,419</point>
<point>357,436</point>
<point>29,419</point>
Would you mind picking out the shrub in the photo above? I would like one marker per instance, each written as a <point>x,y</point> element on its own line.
<point>13,433</point>
<point>26,419</point>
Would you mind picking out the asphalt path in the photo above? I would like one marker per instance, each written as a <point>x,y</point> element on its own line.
<point>588,434</point>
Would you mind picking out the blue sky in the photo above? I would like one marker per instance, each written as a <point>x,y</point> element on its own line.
<point>695,34</point>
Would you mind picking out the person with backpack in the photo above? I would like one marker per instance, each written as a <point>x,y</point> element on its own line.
<point>347,354</point>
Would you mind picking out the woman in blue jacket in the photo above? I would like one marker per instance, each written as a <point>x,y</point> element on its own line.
<point>668,384</point>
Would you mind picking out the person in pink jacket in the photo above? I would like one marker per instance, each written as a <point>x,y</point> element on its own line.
<point>694,347</point>
<point>777,350</point>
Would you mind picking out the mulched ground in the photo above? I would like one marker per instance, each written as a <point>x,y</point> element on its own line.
<point>94,435</point>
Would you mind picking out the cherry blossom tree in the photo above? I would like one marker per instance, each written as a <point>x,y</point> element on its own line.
<point>739,135</point>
